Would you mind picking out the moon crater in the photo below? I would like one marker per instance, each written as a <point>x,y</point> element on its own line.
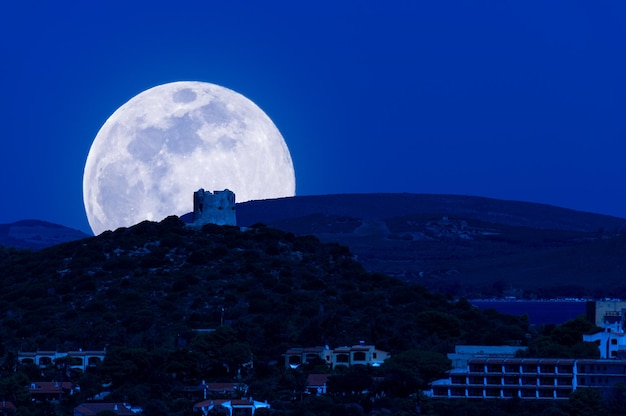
<point>184,96</point>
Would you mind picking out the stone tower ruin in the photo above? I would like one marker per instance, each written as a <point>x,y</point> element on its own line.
<point>213,208</point>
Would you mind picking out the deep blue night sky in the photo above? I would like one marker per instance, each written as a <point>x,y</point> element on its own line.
<point>521,100</point>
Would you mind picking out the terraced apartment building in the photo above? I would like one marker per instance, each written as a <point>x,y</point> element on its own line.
<point>527,378</point>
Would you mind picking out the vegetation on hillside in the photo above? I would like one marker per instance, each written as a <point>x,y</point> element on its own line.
<point>175,306</point>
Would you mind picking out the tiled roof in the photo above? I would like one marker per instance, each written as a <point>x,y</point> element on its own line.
<point>48,387</point>
<point>222,386</point>
<point>206,403</point>
<point>315,380</point>
<point>91,409</point>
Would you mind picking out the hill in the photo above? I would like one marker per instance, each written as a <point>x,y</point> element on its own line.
<point>36,234</point>
<point>151,285</point>
<point>462,245</point>
<point>384,206</point>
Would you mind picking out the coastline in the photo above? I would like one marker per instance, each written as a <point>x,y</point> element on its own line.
<point>539,311</point>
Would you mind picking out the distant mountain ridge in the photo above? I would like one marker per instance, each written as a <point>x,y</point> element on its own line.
<point>37,234</point>
<point>387,205</point>
<point>462,245</point>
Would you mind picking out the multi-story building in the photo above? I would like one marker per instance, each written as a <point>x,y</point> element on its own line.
<point>528,378</point>
<point>506,378</point>
<point>463,353</point>
<point>608,314</point>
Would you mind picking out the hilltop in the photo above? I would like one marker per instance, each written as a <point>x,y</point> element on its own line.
<point>36,234</point>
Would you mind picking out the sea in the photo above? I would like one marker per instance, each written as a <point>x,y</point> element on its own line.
<point>540,312</point>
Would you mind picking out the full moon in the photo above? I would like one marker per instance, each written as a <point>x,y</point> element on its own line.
<point>167,142</point>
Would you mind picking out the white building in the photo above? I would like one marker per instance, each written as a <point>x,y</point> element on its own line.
<point>242,406</point>
<point>611,316</point>
<point>611,344</point>
<point>77,359</point>
<point>342,356</point>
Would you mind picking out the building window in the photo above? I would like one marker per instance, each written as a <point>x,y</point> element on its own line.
<point>494,380</point>
<point>565,369</point>
<point>458,379</point>
<point>546,393</point>
<point>511,369</point>
<point>511,380</point>
<point>563,381</point>
<point>359,356</point>
<point>457,392</point>
<point>343,358</point>
<point>491,368</point>
<point>492,393</point>
<point>43,361</point>
<point>92,361</point>
<point>613,342</point>
<point>475,392</point>
<point>476,380</point>
<point>476,368</point>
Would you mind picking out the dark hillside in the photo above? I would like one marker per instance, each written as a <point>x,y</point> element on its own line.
<point>153,284</point>
<point>36,234</point>
<point>176,307</point>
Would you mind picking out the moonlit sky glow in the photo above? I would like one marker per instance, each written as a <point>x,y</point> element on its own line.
<point>521,100</point>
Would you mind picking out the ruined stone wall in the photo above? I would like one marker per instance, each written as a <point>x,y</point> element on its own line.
<point>214,208</point>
